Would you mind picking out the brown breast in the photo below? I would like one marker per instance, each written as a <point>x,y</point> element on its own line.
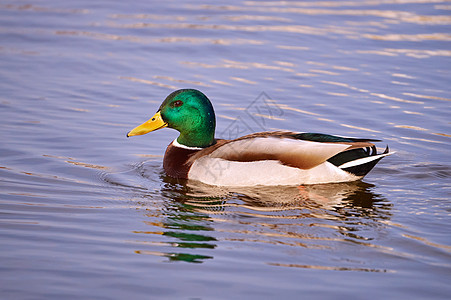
<point>175,161</point>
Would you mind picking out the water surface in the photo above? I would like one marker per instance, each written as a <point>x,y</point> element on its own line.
<point>87,213</point>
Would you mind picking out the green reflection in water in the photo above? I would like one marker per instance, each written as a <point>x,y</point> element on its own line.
<point>181,226</point>
<point>192,258</point>
<point>189,237</point>
<point>196,245</point>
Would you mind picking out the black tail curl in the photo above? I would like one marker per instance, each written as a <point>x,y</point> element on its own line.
<point>354,154</point>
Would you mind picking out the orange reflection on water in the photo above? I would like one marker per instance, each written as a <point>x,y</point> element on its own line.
<point>287,107</point>
<point>243,80</point>
<point>86,165</point>
<point>34,8</point>
<point>426,96</point>
<point>146,40</point>
<point>407,52</point>
<point>332,268</point>
<point>148,82</point>
<point>410,37</point>
<point>181,80</point>
<point>339,3</point>
<point>359,128</point>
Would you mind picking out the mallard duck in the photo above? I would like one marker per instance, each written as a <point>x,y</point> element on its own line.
<point>264,158</point>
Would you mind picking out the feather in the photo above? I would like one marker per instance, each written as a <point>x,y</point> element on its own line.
<point>301,150</point>
<point>290,152</point>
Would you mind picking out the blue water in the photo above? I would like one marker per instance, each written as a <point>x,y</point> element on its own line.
<point>87,213</point>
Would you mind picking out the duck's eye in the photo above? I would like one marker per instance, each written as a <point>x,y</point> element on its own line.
<point>178,103</point>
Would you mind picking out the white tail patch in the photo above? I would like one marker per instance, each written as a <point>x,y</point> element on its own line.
<point>362,161</point>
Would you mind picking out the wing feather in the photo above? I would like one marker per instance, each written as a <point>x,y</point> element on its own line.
<point>292,152</point>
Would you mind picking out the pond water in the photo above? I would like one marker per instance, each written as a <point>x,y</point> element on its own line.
<point>87,213</point>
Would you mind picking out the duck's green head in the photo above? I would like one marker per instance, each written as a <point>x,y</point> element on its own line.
<point>188,111</point>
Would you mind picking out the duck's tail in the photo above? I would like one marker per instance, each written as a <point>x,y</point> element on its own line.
<point>359,161</point>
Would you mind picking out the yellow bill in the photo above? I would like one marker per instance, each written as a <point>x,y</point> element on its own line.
<point>154,123</point>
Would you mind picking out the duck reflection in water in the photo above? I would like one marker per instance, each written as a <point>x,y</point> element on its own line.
<point>332,197</point>
<point>182,228</point>
<point>193,223</point>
